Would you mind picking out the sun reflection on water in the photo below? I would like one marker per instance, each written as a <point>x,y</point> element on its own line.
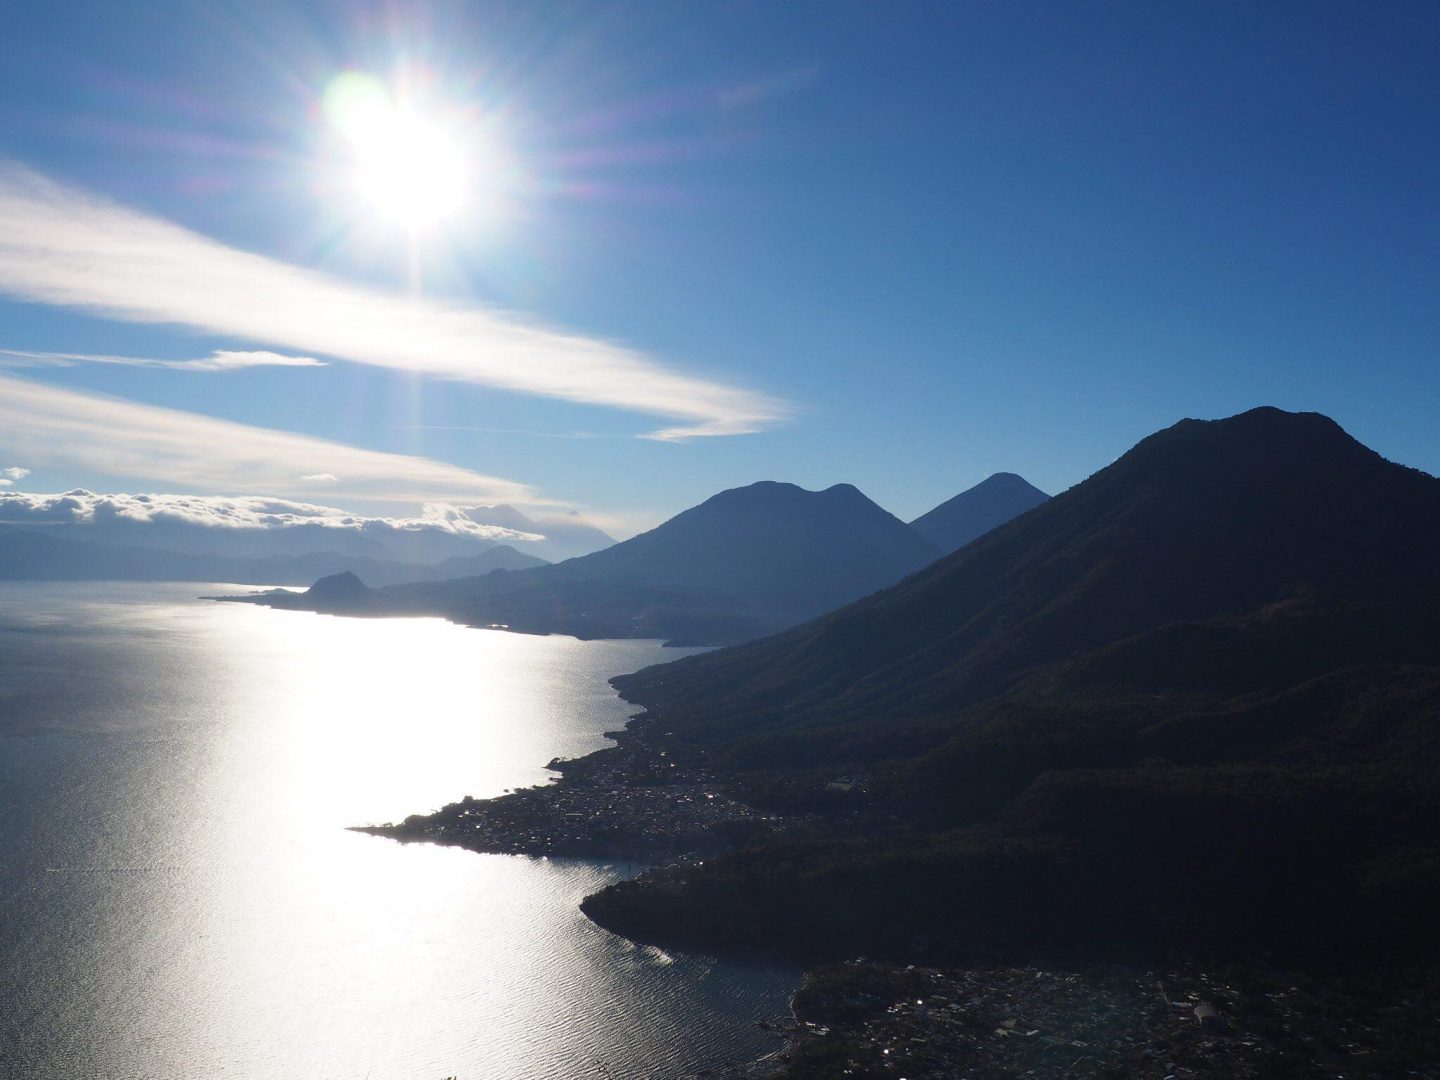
<point>215,753</point>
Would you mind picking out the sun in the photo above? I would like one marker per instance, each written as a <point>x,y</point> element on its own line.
<point>404,164</point>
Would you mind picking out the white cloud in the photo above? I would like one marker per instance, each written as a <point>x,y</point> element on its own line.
<point>62,246</point>
<point>322,478</point>
<point>458,519</point>
<point>232,359</point>
<point>48,425</point>
<point>81,507</point>
<point>219,360</point>
<point>14,473</point>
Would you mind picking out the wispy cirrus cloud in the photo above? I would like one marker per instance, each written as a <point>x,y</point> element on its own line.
<point>219,360</point>
<point>52,426</point>
<point>774,85</point>
<point>62,246</point>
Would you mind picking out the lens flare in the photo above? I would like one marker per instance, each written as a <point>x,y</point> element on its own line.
<point>405,164</point>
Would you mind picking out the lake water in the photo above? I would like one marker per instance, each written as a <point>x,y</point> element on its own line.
<point>179,897</point>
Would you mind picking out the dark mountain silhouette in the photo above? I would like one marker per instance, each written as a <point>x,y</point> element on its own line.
<point>975,511</point>
<point>339,591</point>
<point>1193,702</point>
<point>42,555</point>
<point>743,563</point>
<point>777,544</point>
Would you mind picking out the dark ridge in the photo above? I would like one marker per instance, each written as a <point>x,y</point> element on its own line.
<point>746,562</point>
<point>1191,704</point>
<point>1200,520</point>
<point>978,510</point>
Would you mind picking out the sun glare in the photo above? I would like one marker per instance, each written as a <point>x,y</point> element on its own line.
<point>405,164</point>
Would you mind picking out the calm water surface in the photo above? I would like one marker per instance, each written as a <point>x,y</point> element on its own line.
<point>179,899</point>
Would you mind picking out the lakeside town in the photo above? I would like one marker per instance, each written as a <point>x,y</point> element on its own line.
<point>869,1021</point>
<point>864,1019</point>
<point>628,801</point>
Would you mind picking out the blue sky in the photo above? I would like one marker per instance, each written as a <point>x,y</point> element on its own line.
<point>900,245</point>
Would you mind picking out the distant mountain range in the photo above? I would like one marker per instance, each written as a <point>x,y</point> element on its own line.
<point>973,513</point>
<point>743,563</point>
<point>257,527</point>
<point>372,540</point>
<point>43,555</point>
<point>1191,704</point>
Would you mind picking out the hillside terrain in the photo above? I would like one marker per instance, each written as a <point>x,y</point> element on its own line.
<point>1191,704</point>
<point>978,510</point>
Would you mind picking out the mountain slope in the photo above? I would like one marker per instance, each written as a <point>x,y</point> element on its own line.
<point>744,563</point>
<point>774,543</point>
<point>1200,521</point>
<point>1191,704</point>
<point>500,557</point>
<point>977,510</point>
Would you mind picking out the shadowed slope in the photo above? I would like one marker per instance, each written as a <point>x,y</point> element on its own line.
<point>1191,704</point>
<point>1202,520</point>
<point>746,562</point>
<point>976,511</point>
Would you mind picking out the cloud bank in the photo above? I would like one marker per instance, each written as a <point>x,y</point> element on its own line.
<point>255,527</point>
<point>62,246</point>
<point>81,507</point>
<point>51,426</point>
<point>219,360</point>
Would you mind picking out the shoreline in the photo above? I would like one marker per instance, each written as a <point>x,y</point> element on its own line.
<point>633,802</point>
<point>630,801</point>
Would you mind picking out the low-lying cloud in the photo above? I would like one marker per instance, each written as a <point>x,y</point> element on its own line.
<point>219,360</point>
<point>66,247</point>
<point>81,507</point>
<point>51,426</point>
<point>253,526</point>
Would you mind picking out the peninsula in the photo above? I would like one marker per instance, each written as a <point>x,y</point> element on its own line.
<point>1054,747</point>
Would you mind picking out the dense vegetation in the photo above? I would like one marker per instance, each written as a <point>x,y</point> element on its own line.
<point>1192,704</point>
